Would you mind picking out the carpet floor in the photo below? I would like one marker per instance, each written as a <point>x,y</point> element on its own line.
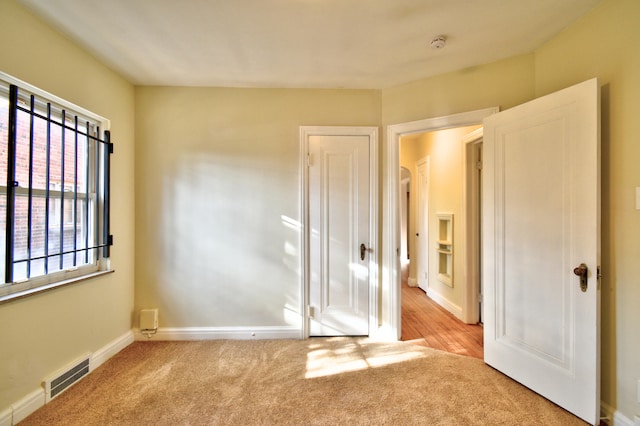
<point>319,381</point>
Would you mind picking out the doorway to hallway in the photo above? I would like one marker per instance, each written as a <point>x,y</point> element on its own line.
<point>439,216</point>
<point>391,223</point>
<point>439,314</point>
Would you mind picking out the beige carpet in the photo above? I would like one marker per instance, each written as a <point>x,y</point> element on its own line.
<point>334,381</point>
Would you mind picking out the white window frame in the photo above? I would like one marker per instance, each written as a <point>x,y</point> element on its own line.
<point>37,284</point>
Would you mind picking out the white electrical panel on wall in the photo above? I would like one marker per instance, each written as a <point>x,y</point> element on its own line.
<point>148,319</point>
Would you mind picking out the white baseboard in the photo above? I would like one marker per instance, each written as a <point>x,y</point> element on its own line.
<point>27,405</point>
<point>100,356</point>
<point>412,282</point>
<point>445,303</point>
<point>6,417</point>
<point>620,419</point>
<point>220,333</point>
<point>616,418</point>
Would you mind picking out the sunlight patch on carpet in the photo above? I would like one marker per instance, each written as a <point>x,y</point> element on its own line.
<point>326,358</point>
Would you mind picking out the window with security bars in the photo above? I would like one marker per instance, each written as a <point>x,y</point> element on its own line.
<point>54,189</point>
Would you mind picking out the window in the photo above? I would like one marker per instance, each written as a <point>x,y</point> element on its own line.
<point>54,190</point>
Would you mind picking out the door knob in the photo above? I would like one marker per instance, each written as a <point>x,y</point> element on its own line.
<point>363,251</point>
<point>582,271</point>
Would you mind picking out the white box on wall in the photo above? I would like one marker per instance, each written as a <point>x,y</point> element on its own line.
<point>148,319</point>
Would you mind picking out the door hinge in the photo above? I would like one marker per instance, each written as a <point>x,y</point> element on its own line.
<point>309,160</point>
<point>310,311</point>
<point>479,165</point>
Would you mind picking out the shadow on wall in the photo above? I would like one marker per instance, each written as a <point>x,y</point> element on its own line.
<point>229,250</point>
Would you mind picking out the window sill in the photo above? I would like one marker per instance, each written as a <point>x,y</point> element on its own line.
<point>7,294</point>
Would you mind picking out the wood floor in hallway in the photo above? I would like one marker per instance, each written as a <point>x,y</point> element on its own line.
<point>426,323</point>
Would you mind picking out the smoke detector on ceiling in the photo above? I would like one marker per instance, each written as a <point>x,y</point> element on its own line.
<point>438,42</point>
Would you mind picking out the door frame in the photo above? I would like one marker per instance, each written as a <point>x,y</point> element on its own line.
<point>472,226</point>
<point>305,133</point>
<point>391,224</point>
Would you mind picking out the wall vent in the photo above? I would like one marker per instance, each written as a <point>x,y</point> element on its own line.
<point>66,377</point>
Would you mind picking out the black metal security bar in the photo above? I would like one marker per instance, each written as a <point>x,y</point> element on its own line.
<point>87,172</point>
<point>11,180</point>
<point>107,237</point>
<point>47,203</point>
<point>75,192</point>
<point>63,152</point>
<point>98,194</point>
<point>89,231</point>
<point>32,104</point>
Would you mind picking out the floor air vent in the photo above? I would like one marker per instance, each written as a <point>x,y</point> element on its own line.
<point>54,385</point>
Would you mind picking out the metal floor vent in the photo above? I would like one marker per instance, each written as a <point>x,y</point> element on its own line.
<point>53,386</point>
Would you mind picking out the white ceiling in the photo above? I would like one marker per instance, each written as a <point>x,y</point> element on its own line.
<point>303,43</point>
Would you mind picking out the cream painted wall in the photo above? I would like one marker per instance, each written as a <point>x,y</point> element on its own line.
<point>606,44</point>
<point>506,83</point>
<point>42,333</point>
<point>217,178</point>
<point>445,150</point>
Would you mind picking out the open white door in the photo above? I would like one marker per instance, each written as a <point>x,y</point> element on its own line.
<point>541,221</point>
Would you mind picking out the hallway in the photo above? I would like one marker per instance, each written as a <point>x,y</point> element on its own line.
<point>426,323</point>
